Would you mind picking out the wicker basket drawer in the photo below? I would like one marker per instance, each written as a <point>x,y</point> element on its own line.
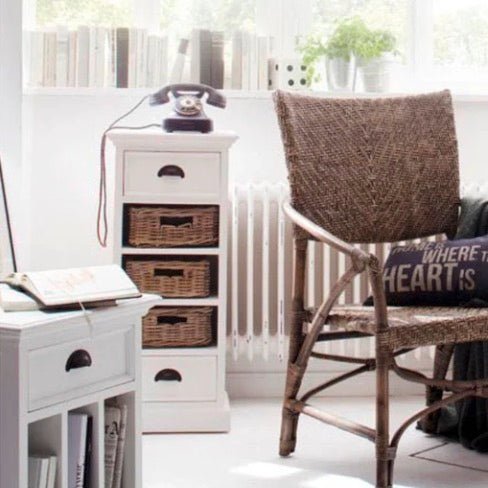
<point>177,327</point>
<point>175,279</point>
<point>154,226</point>
<point>167,379</point>
<point>178,176</point>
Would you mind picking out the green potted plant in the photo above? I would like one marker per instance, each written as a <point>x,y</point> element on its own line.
<point>351,44</point>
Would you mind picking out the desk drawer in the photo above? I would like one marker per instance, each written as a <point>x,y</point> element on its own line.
<point>73,369</point>
<point>168,379</point>
<point>179,176</point>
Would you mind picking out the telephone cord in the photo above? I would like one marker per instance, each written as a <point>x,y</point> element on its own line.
<point>102,220</point>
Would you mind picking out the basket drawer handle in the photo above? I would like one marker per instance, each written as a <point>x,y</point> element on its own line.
<point>171,319</point>
<point>176,221</point>
<point>168,375</point>
<point>171,170</point>
<point>170,273</point>
<point>78,359</point>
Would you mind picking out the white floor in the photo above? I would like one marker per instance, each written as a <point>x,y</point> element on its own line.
<point>325,457</point>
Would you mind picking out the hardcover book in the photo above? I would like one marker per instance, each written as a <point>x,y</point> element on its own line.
<point>64,287</point>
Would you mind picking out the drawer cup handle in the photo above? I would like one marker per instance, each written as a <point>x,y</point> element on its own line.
<point>78,359</point>
<point>171,170</point>
<point>168,375</point>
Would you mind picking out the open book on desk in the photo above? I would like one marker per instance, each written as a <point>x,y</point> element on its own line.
<point>66,288</point>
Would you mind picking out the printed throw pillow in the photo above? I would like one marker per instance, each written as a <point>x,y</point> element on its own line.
<point>437,273</point>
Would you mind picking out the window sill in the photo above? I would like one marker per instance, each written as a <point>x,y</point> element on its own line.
<point>464,97</point>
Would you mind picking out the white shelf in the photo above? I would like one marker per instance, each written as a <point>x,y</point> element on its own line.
<point>171,251</point>
<point>458,96</point>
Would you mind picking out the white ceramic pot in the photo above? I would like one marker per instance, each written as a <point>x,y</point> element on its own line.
<point>376,74</point>
<point>340,74</point>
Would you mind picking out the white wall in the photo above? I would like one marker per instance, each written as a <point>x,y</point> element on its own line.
<point>61,134</point>
<point>11,110</point>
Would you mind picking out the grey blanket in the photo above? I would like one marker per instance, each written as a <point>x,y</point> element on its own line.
<point>471,359</point>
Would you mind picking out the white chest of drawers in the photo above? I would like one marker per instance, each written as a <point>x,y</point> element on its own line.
<point>52,364</point>
<point>183,388</point>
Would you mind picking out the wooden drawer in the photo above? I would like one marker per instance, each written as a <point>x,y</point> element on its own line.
<point>181,177</point>
<point>167,379</point>
<point>73,369</point>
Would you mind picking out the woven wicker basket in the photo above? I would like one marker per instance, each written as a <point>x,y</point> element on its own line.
<point>173,227</point>
<point>177,327</point>
<point>176,279</point>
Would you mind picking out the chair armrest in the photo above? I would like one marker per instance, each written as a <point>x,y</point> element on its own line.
<point>322,235</point>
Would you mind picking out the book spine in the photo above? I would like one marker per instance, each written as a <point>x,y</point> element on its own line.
<point>101,57</point>
<point>132,65</point>
<point>205,57</point>
<point>122,60</point>
<point>263,56</point>
<point>49,74</point>
<point>152,64</point>
<point>88,453</point>
<point>141,58</point>
<point>217,63</point>
<point>236,75</point>
<point>246,46</point>
<point>36,58</point>
<point>62,56</point>
<point>72,61</point>
<point>82,56</point>
<point>195,55</point>
<point>77,435</point>
<point>253,63</point>
<point>92,56</point>
<point>119,458</point>
<point>112,429</point>
<point>163,63</point>
<point>179,62</point>
<point>51,476</point>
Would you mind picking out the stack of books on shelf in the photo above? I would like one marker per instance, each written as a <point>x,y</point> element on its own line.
<point>133,58</point>
<point>42,471</point>
<point>96,57</point>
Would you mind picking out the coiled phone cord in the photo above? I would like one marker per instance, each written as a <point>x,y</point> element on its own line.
<point>102,220</point>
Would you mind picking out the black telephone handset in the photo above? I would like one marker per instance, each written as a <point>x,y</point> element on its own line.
<point>188,112</point>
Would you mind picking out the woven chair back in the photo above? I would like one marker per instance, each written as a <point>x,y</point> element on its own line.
<point>372,170</point>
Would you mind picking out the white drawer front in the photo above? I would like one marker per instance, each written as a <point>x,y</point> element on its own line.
<point>166,379</point>
<point>179,177</point>
<point>53,379</point>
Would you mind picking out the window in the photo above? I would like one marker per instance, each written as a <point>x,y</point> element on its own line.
<point>73,13</point>
<point>377,14</point>
<point>460,31</point>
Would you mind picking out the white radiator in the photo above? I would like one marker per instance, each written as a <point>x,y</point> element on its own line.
<point>261,271</point>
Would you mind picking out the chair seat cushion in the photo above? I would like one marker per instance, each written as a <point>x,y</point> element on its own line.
<point>416,326</point>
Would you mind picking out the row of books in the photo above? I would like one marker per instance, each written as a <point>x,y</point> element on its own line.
<point>42,469</point>
<point>132,58</point>
<point>96,57</point>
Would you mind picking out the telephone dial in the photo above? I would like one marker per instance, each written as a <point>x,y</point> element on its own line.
<point>188,113</point>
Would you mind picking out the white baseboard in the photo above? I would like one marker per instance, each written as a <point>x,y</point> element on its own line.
<point>271,384</point>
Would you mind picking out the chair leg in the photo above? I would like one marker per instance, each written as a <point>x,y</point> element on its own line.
<point>384,455</point>
<point>294,375</point>
<point>442,359</point>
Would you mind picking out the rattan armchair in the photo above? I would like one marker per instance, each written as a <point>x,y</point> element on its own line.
<point>369,171</point>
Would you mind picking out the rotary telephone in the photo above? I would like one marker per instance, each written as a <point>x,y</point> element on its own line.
<point>188,113</point>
